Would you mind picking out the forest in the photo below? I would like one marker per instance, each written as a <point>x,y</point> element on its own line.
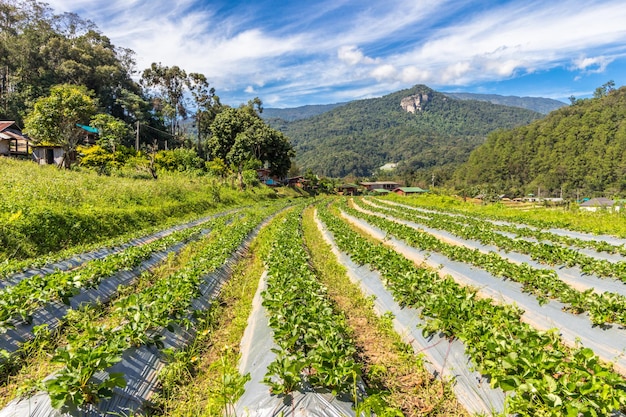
<point>358,137</point>
<point>577,150</point>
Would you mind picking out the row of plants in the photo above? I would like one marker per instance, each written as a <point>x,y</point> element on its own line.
<point>203,379</point>
<point>483,231</point>
<point>543,283</point>
<point>520,230</point>
<point>136,319</point>
<point>542,376</point>
<point>312,340</point>
<point>20,301</point>
<point>561,252</point>
<point>609,223</point>
<point>395,376</point>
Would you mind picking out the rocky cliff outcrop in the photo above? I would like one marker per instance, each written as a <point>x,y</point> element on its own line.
<point>414,103</point>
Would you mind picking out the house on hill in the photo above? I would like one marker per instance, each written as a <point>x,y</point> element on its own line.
<point>409,190</point>
<point>12,141</point>
<point>348,189</point>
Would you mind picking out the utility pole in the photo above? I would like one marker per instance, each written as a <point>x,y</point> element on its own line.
<point>137,137</point>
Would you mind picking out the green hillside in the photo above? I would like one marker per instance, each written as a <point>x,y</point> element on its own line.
<point>363,135</point>
<point>578,149</point>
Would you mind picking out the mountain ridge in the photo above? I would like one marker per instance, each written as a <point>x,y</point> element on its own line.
<point>361,135</point>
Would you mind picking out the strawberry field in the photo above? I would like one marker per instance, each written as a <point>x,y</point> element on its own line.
<point>345,307</point>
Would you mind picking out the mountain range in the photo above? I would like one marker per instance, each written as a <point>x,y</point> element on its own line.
<point>418,128</point>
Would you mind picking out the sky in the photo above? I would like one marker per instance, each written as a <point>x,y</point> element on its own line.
<point>291,53</point>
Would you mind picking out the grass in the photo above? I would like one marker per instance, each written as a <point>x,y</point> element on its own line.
<point>44,210</point>
<point>390,366</point>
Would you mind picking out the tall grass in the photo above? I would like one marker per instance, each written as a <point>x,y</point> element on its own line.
<point>44,209</point>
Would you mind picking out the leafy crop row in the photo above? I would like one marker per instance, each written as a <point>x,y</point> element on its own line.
<point>521,230</point>
<point>136,319</point>
<point>543,283</point>
<point>545,378</point>
<point>547,253</point>
<point>22,300</point>
<point>312,344</point>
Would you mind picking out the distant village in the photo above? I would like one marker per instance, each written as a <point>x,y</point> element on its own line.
<point>13,143</point>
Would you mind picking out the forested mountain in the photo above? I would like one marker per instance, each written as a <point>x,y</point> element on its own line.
<point>538,104</point>
<point>578,149</point>
<point>418,128</point>
<point>297,113</point>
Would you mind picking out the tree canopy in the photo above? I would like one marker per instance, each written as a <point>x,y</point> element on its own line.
<point>579,149</point>
<point>54,118</point>
<point>240,136</point>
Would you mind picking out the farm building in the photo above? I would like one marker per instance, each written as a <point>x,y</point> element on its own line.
<point>49,153</point>
<point>595,204</point>
<point>382,185</point>
<point>409,190</point>
<point>348,189</point>
<point>12,141</point>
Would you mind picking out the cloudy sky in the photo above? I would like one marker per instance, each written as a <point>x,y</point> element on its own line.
<point>291,53</point>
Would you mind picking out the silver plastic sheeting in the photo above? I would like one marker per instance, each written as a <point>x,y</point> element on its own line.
<point>613,240</point>
<point>52,313</point>
<point>79,259</point>
<point>444,359</point>
<point>609,343</point>
<point>256,355</point>
<point>140,366</point>
<point>573,276</point>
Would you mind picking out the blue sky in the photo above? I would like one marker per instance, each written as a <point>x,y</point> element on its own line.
<point>292,53</point>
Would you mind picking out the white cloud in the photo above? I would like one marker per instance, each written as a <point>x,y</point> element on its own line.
<point>384,72</point>
<point>596,64</point>
<point>352,55</point>
<point>361,48</point>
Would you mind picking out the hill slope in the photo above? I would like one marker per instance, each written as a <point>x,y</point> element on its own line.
<point>538,104</point>
<point>581,148</point>
<point>362,135</point>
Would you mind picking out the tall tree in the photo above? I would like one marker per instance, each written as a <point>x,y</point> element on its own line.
<point>54,118</point>
<point>170,83</point>
<point>207,106</point>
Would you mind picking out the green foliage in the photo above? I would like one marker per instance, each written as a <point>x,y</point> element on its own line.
<point>241,136</point>
<point>179,160</point>
<point>544,377</point>
<point>360,136</point>
<point>112,132</point>
<point>44,210</point>
<point>54,118</point>
<point>579,149</point>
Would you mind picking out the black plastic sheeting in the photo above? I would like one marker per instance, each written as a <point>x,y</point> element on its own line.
<point>140,366</point>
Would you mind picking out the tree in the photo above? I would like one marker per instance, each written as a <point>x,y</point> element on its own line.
<point>207,106</point>
<point>54,118</point>
<point>111,131</point>
<point>170,82</point>
<point>241,136</point>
